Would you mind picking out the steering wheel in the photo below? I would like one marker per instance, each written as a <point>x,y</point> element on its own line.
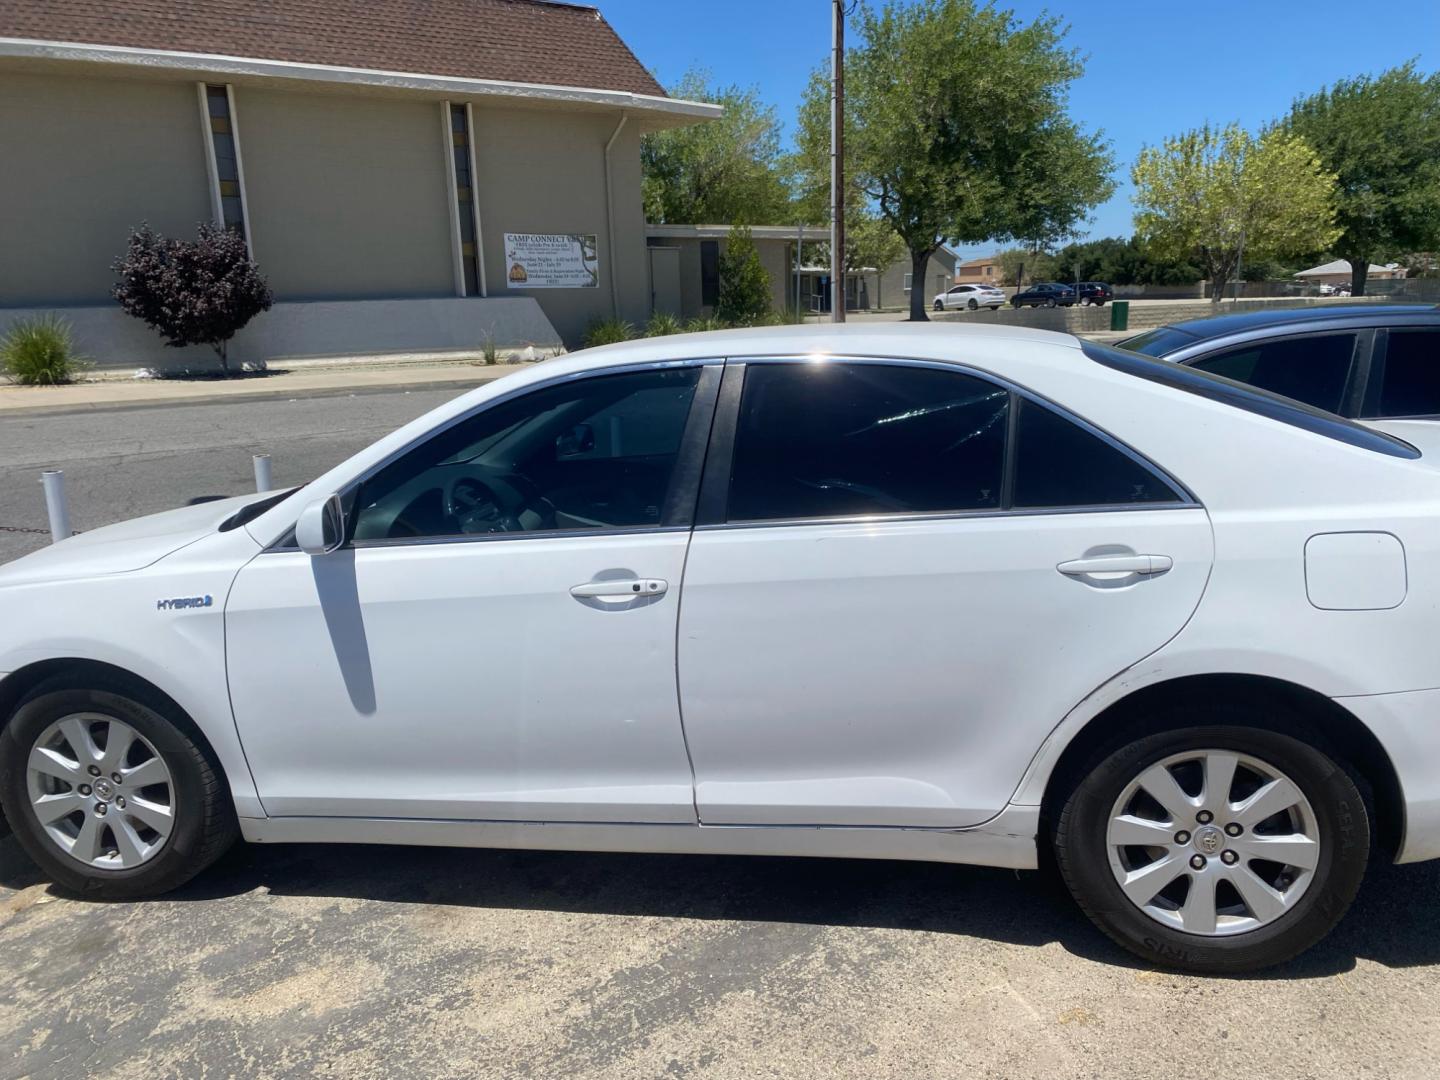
<point>494,506</point>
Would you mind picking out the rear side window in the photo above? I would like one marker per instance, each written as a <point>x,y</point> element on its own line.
<point>839,440</point>
<point>1159,341</point>
<point>1313,369</point>
<point>1410,385</point>
<point>1059,463</point>
<point>845,440</point>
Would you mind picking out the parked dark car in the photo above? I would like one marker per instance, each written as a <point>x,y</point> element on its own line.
<point>1367,362</point>
<point>1095,292</point>
<point>1044,294</point>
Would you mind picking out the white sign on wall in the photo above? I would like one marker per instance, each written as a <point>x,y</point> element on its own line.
<point>551,261</point>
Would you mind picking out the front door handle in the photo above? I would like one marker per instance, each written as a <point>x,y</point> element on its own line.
<point>1117,564</point>
<point>621,588</point>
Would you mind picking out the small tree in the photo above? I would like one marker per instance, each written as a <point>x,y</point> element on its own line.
<point>193,292</point>
<point>1219,194</point>
<point>744,284</point>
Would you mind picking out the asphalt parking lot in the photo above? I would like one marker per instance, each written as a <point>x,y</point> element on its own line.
<point>382,962</point>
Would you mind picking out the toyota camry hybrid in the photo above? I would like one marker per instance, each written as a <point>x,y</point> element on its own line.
<point>964,594</point>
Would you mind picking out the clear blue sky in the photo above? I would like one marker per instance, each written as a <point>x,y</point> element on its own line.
<point>1154,67</point>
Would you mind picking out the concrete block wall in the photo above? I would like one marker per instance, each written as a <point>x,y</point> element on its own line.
<point>1078,320</point>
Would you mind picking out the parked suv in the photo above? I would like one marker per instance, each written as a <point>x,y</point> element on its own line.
<point>1095,292</point>
<point>1374,362</point>
<point>1044,294</point>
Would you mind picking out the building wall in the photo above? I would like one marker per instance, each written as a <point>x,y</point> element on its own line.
<point>775,256</point>
<point>82,161</point>
<point>939,275</point>
<point>347,196</point>
<point>544,172</point>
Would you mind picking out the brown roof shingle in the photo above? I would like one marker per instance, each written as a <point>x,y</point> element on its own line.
<point>528,41</point>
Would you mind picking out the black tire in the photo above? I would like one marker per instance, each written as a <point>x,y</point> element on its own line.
<point>972,305</point>
<point>1080,841</point>
<point>1050,302</point>
<point>204,816</point>
<point>939,305</point>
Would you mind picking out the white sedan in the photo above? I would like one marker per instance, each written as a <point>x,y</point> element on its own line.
<point>969,297</point>
<point>872,591</point>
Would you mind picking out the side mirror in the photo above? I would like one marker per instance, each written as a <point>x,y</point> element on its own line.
<point>321,528</point>
<point>580,439</point>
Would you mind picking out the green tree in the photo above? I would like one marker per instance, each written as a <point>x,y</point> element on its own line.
<point>1219,194</point>
<point>1032,265</point>
<point>744,284</point>
<point>720,171</point>
<point>1381,137</point>
<point>1121,261</point>
<point>924,89</point>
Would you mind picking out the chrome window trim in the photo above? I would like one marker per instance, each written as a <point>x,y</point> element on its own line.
<point>286,541</point>
<point>948,515</point>
<point>1184,496</point>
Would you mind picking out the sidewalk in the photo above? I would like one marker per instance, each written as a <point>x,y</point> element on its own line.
<point>300,382</point>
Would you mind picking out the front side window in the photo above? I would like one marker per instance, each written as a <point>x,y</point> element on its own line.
<point>1313,369</point>
<point>838,440</point>
<point>597,453</point>
<point>1410,385</point>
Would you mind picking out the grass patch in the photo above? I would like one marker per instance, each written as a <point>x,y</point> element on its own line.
<point>40,352</point>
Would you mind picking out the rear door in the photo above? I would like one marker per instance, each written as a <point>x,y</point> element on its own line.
<point>902,578</point>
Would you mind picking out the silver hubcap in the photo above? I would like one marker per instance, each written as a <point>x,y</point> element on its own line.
<point>101,792</point>
<point>1213,842</point>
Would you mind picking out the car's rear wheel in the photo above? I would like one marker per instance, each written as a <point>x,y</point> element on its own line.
<point>1214,848</point>
<point>1050,302</point>
<point>112,798</point>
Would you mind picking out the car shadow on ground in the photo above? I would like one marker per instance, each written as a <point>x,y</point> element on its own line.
<point>1392,922</point>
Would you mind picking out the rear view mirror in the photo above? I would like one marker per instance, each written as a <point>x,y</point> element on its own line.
<point>321,528</point>
<point>579,439</point>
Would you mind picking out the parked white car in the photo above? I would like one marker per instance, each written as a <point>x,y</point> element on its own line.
<point>949,594</point>
<point>969,297</point>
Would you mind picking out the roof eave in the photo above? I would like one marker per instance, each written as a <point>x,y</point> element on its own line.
<point>656,111</point>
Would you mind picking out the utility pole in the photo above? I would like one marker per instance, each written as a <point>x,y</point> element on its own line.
<point>837,163</point>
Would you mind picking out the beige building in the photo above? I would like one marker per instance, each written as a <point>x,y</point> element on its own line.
<point>1338,273</point>
<point>408,176</point>
<point>982,271</point>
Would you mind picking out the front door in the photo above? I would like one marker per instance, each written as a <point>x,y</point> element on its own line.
<point>497,639</point>
<point>911,576</point>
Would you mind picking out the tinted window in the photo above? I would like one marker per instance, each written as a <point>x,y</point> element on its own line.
<point>1059,463</point>
<point>1239,396</point>
<point>595,453</point>
<point>833,440</point>
<point>1310,369</point>
<point>1411,384</point>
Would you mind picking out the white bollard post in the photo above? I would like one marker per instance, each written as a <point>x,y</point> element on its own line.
<point>54,482</point>
<point>262,472</point>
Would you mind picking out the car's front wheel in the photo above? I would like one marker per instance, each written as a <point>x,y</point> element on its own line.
<point>1214,848</point>
<point>939,305</point>
<point>110,795</point>
<point>972,305</point>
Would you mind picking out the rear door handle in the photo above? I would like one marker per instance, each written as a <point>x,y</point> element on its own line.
<point>620,588</point>
<point>1117,564</point>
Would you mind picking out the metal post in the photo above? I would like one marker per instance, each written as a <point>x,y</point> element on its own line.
<point>54,482</point>
<point>262,472</point>
<point>837,165</point>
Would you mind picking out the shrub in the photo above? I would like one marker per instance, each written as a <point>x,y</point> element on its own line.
<point>744,284</point>
<point>608,332</point>
<point>194,292</point>
<point>488,351</point>
<point>662,324</point>
<point>704,323</point>
<point>39,352</point>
